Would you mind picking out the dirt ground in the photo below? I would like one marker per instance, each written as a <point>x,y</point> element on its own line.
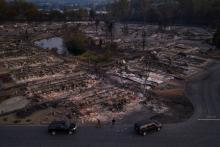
<point>180,107</point>
<point>38,118</point>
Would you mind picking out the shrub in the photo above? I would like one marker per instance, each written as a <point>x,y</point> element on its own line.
<point>17,121</point>
<point>90,56</point>
<point>75,42</point>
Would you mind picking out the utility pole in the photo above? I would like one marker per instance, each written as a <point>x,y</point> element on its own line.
<point>144,39</point>
<point>146,75</point>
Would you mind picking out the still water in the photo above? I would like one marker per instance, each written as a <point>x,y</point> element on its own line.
<point>52,43</point>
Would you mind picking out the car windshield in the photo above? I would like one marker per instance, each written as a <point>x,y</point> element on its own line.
<point>63,123</point>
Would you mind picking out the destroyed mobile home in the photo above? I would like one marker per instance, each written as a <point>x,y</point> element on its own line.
<point>41,83</point>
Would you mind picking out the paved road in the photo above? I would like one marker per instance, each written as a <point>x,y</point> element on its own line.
<point>201,130</point>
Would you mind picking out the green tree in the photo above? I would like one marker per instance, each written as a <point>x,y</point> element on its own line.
<point>75,41</point>
<point>166,12</point>
<point>216,38</point>
<point>2,9</point>
<point>206,10</point>
<point>31,12</point>
<point>145,7</point>
<point>82,14</point>
<point>185,10</point>
<point>120,9</point>
<point>56,15</point>
<point>92,14</point>
<point>17,9</point>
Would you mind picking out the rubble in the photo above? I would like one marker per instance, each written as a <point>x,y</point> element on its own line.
<point>41,79</point>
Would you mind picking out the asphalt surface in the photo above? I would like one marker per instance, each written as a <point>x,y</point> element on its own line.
<point>201,130</point>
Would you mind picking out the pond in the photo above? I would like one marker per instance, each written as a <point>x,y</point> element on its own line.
<point>52,43</point>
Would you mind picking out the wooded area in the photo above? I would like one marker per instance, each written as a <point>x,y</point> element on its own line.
<point>167,11</point>
<point>17,9</point>
<point>22,10</point>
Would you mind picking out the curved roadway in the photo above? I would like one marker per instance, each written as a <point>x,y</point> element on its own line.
<point>201,130</point>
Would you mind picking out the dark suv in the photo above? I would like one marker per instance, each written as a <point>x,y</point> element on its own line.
<point>61,127</point>
<point>142,128</point>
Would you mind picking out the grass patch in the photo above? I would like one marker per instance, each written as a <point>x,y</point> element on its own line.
<point>91,56</point>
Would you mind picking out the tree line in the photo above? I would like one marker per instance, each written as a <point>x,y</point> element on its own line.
<point>22,10</point>
<point>167,11</point>
<point>17,9</point>
<point>164,12</point>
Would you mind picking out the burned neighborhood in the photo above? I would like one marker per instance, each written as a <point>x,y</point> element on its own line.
<point>115,70</point>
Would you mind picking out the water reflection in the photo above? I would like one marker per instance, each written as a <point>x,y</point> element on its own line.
<point>53,43</point>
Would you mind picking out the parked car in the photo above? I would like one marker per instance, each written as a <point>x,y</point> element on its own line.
<point>143,128</point>
<point>62,127</point>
